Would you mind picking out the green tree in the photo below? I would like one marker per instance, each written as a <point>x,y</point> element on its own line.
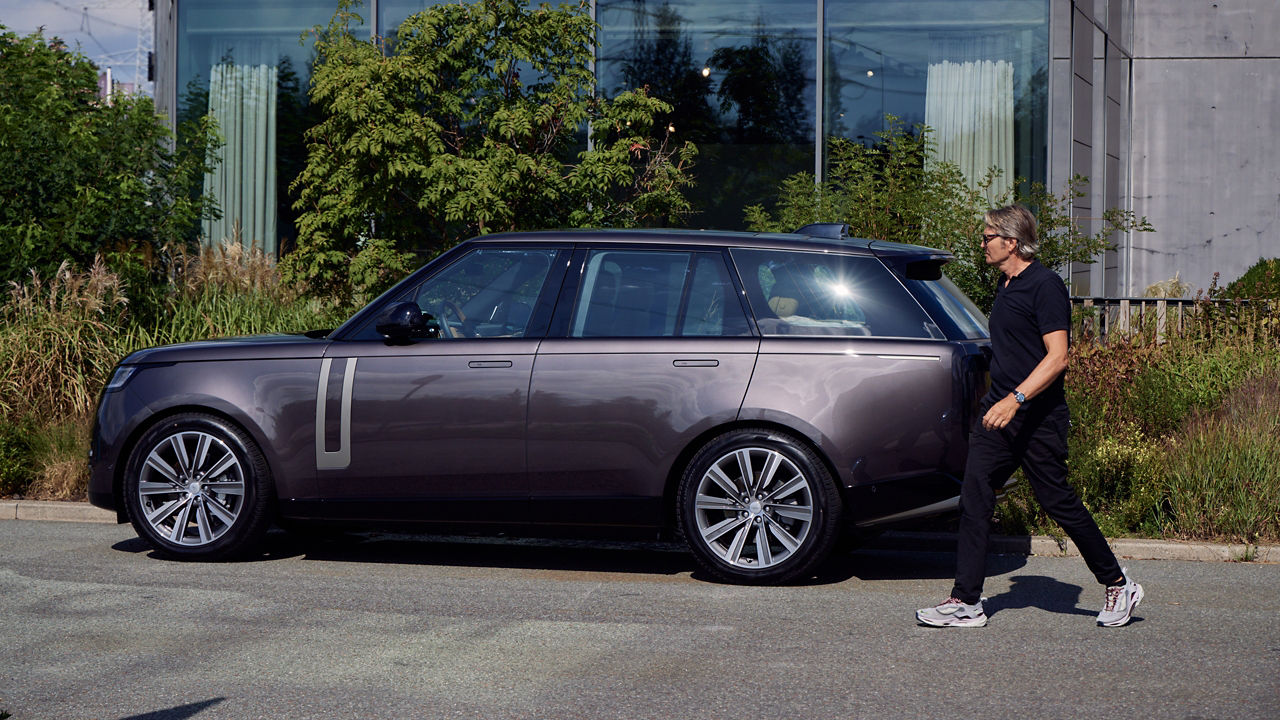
<point>895,190</point>
<point>467,124</point>
<point>79,176</point>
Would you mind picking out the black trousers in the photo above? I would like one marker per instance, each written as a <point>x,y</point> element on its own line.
<point>1036,441</point>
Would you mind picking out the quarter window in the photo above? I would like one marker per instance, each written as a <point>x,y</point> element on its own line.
<point>807,293</point>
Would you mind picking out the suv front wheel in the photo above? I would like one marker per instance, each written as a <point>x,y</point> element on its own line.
<point>758,506</point>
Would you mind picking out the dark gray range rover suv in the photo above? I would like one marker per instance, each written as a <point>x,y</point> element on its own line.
<point>758,395</point>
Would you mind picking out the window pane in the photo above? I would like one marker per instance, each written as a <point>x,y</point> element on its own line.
<point>948,304</point>
<point>954,66</point>
<point>799,293</point>
<point>713,308</point>
<point>740,76</point>
<point>241,62</point>
<point>630,294</point>
<point>489,293</point>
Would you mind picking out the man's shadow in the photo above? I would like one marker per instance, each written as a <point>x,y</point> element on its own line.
<point>1039,592</point>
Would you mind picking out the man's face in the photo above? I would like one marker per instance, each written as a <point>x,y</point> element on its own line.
<point>996,247</point>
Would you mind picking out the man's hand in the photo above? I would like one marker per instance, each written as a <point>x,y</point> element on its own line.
<point>1000,414</point>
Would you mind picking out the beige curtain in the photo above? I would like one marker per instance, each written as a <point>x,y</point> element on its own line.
<point>969,105</point>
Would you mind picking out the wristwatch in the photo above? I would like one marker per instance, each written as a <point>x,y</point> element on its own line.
<point>1017,395</point>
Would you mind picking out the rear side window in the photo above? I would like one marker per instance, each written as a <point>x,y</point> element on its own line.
<point>656,293</point>
<point>808,293</point>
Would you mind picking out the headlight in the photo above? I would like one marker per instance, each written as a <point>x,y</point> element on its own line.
<point>120,377</point>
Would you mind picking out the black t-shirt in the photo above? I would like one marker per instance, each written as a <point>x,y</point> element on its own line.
<point>1033,304</point>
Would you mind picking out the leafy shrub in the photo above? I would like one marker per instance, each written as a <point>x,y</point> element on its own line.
<point>1260,281</point>
<point>79,176</point>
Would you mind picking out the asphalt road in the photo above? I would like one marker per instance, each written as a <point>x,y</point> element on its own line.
<point>92,626</point>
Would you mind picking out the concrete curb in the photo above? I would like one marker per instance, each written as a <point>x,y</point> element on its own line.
<point>54,511</point>
<point>59,511</point>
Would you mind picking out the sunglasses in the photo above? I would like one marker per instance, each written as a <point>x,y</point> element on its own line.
<point>988,237</point>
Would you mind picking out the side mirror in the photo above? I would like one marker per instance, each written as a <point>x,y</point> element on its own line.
<point>404,321</point>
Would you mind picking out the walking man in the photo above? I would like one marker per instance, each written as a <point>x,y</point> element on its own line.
<point>1024,421</point>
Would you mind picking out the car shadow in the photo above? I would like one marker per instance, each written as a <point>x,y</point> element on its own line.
<point>586,556</point>
<point>656,558</point>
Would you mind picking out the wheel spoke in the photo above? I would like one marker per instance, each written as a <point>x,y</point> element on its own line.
<point>787,539</point>
<point>202,520</point>
<point>202,451</point>
<point>180,523</point>
<point>157,463</point>
<point>221,512</point>
<point>725,482</point>
<point>715,532</point>
<point>803,513</point>
<point>226,462</point>
<point>734,554</point>
<point>180,454</point>
<point>230,487</point>
<point>763,552</point>
<point>708,502</point>
<point>794,484</point>
<point>161,513</point>
<point>155,488</point>
<point>745,471</point>
<point>771,465</point>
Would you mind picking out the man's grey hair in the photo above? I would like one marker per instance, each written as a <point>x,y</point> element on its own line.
<point>1015,221</point>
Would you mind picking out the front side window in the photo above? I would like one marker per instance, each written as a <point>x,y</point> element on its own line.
<point>491,292</point>
<point>807,293</point>
<point>656,293</point>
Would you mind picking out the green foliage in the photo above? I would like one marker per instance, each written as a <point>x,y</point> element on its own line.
<point>79,176</point>
<point>896,190</point>
<point>465,124</point>
<point>1261,281</point>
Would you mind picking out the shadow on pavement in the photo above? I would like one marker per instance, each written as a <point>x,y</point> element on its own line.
<point>1038,591</point>
<point>586,556</point>
<point>182,712</point>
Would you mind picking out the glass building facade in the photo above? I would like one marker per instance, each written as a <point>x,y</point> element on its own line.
<point>761,86</point>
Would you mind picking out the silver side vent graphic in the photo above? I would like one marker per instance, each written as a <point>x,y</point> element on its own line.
<point>342,457</point>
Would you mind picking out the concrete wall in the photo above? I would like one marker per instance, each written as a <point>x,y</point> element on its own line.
<point>1206,137</point>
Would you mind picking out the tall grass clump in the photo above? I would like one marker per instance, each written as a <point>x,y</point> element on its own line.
<point>58,341</point>
<point>1222,478</point>
<point>61,337</point>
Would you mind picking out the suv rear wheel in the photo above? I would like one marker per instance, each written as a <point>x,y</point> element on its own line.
<point>758,506</point>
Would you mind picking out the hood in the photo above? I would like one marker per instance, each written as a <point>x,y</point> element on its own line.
<point>253,347</point>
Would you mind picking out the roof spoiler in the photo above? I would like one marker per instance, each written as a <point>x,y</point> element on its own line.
<point>832,230</point>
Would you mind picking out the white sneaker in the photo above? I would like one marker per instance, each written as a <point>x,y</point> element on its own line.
<point>1121,600</point>
<point>953,613</point>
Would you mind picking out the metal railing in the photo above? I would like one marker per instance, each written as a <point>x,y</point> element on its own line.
<point>1101,318</point>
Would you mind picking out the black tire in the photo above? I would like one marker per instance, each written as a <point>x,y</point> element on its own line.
<point>198,488</point>
<point>771,524</point>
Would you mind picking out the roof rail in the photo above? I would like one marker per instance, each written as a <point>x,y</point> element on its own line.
<point>833,230</point>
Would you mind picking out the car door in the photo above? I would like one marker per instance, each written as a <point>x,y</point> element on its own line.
<point>434,429</point>
<point>650,348</point>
